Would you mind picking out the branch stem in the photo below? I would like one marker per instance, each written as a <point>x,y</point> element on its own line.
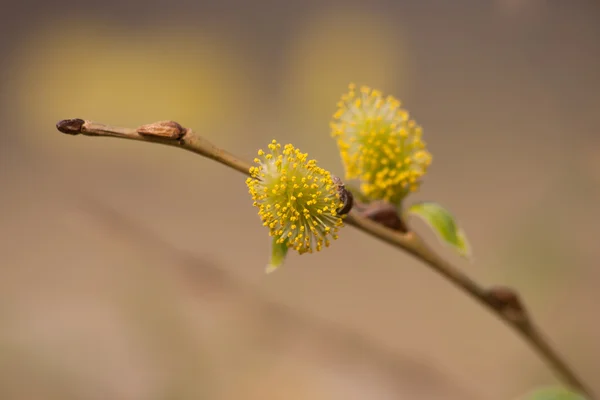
<point>502,302</point>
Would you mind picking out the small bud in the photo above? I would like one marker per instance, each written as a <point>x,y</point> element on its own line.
<point>70,126</point>
<point>507,301</point>
<point>164,129</point>
<point>345,196</point>
<point>383,213</point>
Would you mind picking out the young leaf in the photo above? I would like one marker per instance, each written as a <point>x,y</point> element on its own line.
<point>278,253</point>
<point>443,223</point>
<point>552,393</point>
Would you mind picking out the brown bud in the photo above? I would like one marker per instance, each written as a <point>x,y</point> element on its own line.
<point>70,126</point>
<point>345,196</point>
<point>385,214</point>
<point>164,129</point>
<point>507,301</point>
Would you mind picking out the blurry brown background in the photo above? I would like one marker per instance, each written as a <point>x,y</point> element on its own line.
<point>134,271</point>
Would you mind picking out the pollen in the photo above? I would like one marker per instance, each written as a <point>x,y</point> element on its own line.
<point>379,144</point>
<point>296,199</point>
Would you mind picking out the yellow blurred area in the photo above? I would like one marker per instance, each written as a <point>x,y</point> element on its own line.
<point>198,75</point>
<point>87,68</point>
<point>336,47</point>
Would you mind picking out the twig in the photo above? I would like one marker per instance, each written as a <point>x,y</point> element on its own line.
<point>503,302</point>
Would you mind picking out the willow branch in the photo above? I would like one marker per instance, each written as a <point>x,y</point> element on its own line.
<point>501,301</point>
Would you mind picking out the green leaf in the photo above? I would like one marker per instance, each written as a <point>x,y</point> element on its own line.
<point>443,223</point>
<point>278,253</point>
<point>552,393</point>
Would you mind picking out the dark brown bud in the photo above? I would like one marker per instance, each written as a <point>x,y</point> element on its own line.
<point>345,196</point>
<point>507,301</point>
<point>385,214</point>
<point>70,126</point>
<point>164,129</point>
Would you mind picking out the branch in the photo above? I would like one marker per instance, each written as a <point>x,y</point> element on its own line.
<point>501,301</point>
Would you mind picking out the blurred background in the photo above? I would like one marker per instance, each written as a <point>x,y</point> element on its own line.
<point>136,271</point>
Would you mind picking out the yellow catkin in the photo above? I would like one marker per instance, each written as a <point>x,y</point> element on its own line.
<point>379,144</point>
<point>296,199</point>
